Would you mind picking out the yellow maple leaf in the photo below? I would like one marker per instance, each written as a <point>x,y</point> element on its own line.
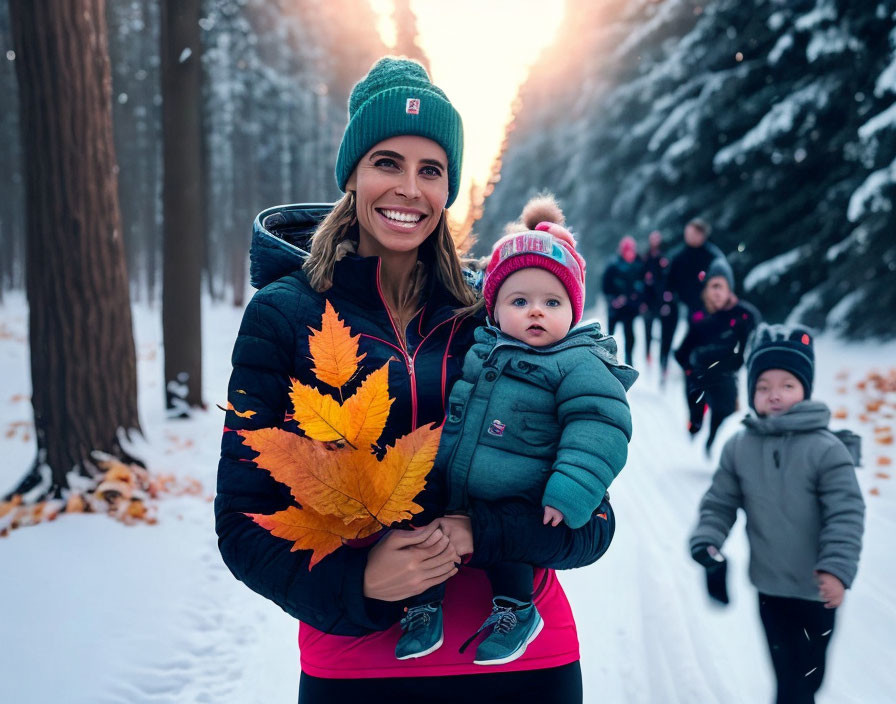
<point>318,478</point>
<point>359,421</point>
<point>368,410</point>
<point>310,530</point>
<point>393,483</point>
<point>334,350</point>
<point>319,415</point>
<point>344,490</point>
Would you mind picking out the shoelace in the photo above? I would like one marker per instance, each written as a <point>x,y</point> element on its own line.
<point>417,617</point>
<point>504,619</point>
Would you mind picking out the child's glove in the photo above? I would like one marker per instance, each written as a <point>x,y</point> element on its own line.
<point>716,566</point>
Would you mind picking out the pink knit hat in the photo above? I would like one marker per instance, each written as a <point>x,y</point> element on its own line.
<point>537,248</point>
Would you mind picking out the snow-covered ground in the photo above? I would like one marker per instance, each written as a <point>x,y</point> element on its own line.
<point>93,611</point>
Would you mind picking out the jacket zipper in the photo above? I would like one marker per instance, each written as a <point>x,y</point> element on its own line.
<point>409,363</point>
<point>401,347</point>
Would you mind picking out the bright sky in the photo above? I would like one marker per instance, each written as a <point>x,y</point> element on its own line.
<point>480,52</point>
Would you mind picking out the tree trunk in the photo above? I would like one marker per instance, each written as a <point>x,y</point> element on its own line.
<point>12,197</point>
<point>238,274</point>
<point>183,248</point>
<point>83,365</point>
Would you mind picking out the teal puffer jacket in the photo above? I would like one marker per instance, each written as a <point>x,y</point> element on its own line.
<point>550,425</point>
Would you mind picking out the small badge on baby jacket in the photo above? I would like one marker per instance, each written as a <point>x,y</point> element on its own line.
<point>496,428</point>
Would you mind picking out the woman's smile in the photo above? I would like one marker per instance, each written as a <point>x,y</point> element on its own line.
<point>401,218</point>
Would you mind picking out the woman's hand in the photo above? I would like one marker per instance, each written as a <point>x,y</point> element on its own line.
<point>459,530</point>
<point>406,563</point>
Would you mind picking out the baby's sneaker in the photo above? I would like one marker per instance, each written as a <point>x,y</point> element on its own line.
<point>515,624</point>
<point>421,631</point>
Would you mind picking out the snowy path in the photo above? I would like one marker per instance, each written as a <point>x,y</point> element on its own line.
<point>648,632</point>
<point>95,612</point>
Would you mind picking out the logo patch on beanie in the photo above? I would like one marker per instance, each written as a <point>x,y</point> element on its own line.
<point>527,242</point>
<point>412,107</point>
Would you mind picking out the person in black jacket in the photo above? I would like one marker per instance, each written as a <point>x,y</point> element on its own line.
<point>384,259</point>
<point>623,285</point>
<point>713,350</point>
<point>658,303</point>
<point>688,265</point>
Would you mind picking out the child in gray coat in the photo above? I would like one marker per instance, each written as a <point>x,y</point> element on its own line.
<point>796,483</point>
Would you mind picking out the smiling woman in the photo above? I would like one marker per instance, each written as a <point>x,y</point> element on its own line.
<point>385,262</point>
<point>401,187</point>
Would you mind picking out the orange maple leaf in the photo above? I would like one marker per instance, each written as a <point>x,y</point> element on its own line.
<point>309,530</point>
<point>393,483</point>
<point>318,478</point>
<point>332,471</point>
<point>7,506</point>
<point>334,350</point>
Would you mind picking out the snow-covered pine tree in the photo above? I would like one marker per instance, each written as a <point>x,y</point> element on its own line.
<point>773,120</point>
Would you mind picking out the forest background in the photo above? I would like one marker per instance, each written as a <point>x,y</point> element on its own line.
<point>141,139</point>
<point>138,140</point>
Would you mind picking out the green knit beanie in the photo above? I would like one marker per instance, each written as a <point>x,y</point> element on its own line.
<point>395,98</point>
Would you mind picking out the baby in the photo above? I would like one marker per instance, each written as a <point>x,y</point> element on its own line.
<point>540,414</point>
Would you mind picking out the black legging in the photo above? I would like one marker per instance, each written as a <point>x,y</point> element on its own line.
<point>628,328</point>
<point>649,317</point>
<point>667,315</point>
<point>557,685</point>
<point>798,632</point>
<point>668,323</point>
<point>513,579</point>
<point>719,393</point>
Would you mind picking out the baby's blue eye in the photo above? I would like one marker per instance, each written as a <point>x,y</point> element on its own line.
<point>553,303</point>
<point>519,302</point>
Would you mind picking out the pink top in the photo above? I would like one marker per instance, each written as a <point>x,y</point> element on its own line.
<point>467,604</point>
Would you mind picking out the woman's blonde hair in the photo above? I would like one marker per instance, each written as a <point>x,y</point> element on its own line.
<point>339,231</point>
